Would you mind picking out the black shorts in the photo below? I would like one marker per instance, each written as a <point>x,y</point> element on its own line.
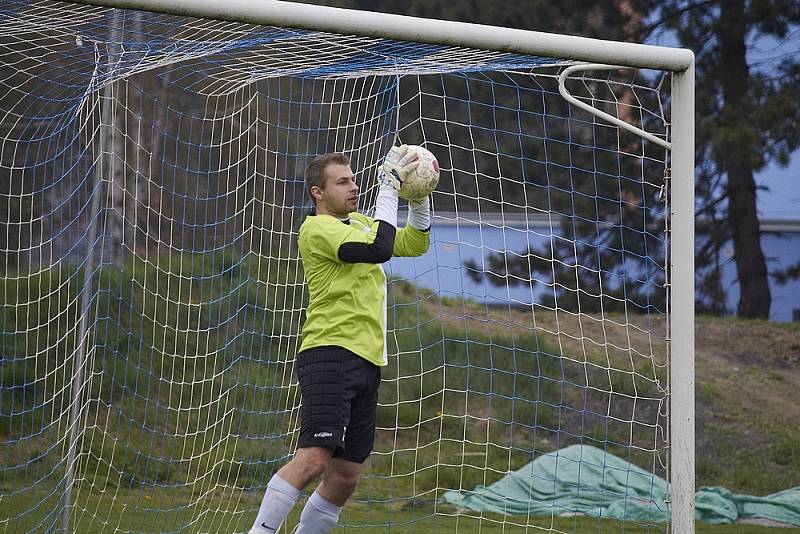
<point>340,400</point>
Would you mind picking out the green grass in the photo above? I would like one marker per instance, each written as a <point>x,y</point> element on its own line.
<point>189,388</point>
<point>137,511</point>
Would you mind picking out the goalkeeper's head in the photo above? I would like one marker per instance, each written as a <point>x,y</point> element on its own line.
<point>331,185</point>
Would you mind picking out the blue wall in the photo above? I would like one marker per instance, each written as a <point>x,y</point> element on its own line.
<point>442,269</point>
<point>781,250</point>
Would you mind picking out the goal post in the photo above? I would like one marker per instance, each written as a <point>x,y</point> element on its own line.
<point>682,400</point>
<point>153,294</point>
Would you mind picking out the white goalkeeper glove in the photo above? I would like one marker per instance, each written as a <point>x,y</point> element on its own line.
<point>419,214</point>
<point>397,165</point>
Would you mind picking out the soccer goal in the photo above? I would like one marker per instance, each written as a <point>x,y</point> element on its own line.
<point>540,369</point>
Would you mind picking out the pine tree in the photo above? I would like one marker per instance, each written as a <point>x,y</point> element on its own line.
<point>748,116</point>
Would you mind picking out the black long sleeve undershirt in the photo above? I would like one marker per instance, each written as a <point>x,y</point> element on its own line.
<point>379,251</point>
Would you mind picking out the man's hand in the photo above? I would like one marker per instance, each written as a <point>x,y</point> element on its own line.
<point>397,165</point>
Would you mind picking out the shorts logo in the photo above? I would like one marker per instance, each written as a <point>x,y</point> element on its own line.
<point>323,435</point>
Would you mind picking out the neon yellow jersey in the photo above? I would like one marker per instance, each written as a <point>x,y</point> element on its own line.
<point>347,301</point>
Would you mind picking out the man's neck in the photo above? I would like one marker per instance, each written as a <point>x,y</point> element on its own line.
<point>343,218</point>
<point>346,218</point>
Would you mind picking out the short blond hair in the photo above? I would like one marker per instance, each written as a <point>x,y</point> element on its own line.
<point>315,172</point>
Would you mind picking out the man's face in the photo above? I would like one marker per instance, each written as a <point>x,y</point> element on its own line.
<point>340,195</point>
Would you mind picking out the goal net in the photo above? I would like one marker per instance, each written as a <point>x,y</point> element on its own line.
<point>152,294</point>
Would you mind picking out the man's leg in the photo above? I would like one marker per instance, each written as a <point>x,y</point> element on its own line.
<point>323,418</point>
<point>285,486</point>
<point>321,512</point>
<point>339,481</point>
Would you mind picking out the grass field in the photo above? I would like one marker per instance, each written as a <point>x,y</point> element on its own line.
<point>187,379</point>
<point>99,512</point>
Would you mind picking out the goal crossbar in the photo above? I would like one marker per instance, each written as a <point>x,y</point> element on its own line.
<point>406,28</point>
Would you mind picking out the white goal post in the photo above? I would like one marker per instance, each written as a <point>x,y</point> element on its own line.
<point>567,50</point>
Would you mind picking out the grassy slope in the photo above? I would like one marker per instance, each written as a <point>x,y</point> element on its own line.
<point>747,376</point>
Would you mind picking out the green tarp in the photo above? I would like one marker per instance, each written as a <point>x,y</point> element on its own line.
<point>587,480</point>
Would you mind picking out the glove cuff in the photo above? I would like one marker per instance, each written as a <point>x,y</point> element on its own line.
<point>386,205</point>
<point>419,214</point>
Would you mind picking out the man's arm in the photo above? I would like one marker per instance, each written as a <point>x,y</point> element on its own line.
<point>395,168</point>
<point>379,251</point>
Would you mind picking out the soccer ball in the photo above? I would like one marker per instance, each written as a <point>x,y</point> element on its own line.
<point>423,180</point>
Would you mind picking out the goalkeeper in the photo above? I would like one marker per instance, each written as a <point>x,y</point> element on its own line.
<point>344,335</point>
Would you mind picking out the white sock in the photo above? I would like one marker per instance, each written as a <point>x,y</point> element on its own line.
<point>319,516</point>
<point>278,501</point>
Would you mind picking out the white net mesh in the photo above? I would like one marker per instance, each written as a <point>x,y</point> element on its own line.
<point>153,296</point>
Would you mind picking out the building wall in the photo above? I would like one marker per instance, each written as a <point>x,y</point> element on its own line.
<point>452,245</point>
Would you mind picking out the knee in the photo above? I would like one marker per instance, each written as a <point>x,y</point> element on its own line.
<point>314,467</point>
<point>344,481</point>
<point>308,466</point>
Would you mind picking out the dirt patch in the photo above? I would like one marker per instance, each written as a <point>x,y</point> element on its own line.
<point>750,363</point>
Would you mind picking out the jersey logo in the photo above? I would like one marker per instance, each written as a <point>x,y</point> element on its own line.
<point>323,435</point>
<point>397,176</point>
